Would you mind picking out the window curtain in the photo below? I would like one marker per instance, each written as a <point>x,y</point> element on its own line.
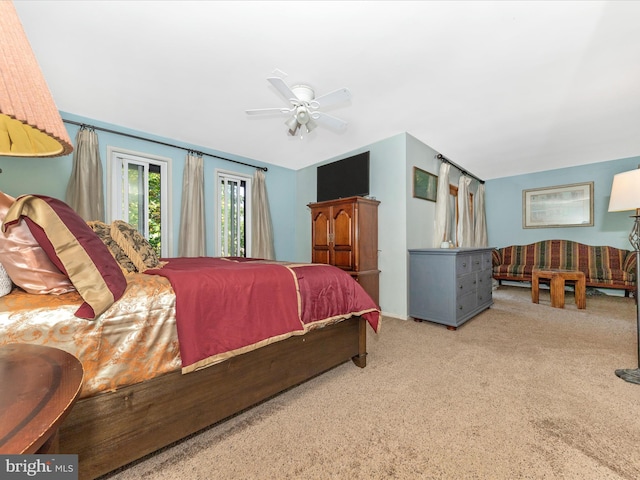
<point>465,222</point>
<point>443,214</point>
<point>84,191</point>
<point>261,227</point>
<point>192,236</point>
<point>480,230</point>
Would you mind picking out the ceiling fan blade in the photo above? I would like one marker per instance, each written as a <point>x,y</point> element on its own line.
<point>282,88</point>
<point>329,121</point>
<point>261,111</point>
<point>337,96</point>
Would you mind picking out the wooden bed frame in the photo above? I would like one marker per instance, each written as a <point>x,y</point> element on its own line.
<point>113,429</point>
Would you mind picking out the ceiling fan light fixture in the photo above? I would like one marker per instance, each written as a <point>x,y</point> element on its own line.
<point>291,123</point>
<point>302,115</point>
<point>310,125</point>
<point>294,131</point>
<point>292,126</point>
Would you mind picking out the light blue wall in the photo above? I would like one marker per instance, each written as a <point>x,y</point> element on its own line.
<point>404,222</point>
<point>50,177</point>
<point>504,206</point>
<point>387,181</point>
<point>421,212</point>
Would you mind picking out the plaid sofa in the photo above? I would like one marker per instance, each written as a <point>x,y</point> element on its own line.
<point>605,267</point>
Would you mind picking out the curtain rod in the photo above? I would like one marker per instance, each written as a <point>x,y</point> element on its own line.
<point>462,170</point>
<point>161,143</point>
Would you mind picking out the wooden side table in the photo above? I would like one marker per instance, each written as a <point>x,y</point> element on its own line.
<point>39,385</point>
<point>557,279</point>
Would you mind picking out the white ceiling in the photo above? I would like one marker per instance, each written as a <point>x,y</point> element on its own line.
<point>500,88</point>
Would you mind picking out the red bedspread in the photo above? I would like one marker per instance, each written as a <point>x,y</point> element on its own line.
<point>228,306</point>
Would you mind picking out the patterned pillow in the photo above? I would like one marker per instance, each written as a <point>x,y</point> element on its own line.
<point>137,248</point>
<point>74,248</point>
<point>25,261</point>
<point>104,233</point>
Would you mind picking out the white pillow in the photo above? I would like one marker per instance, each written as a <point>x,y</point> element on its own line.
<point>6,285</point>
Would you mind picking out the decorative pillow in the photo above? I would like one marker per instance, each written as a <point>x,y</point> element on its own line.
<point>25,261</point>
<point>104,233</point>
<point>137,248</point>
<point>74,248</point>
<point>6,285</point>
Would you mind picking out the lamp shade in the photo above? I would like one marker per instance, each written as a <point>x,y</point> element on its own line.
<point>625,191</point>
<point>30,123</point>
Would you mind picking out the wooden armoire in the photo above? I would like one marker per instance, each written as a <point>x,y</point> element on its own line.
<point>344,233</point>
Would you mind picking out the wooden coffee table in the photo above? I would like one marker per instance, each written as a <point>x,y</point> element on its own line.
<point>557,279</point>
<point>38,387</point>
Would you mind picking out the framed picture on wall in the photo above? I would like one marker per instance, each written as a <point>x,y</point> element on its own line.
<point>559,206</point>
<point>425,185</point>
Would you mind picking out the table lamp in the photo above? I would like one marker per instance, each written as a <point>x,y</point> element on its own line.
<point>30,123</point>
<point>625,195</point>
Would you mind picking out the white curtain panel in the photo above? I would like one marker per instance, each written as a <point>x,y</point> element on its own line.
<point>441,226</point>
<point>480,224</point>
<point>84,191</point>
<point>261,227</point>
<point>192,236</point>
<point>465,222</point>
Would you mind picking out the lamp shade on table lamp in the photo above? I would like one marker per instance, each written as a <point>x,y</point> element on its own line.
<point>30,123</point>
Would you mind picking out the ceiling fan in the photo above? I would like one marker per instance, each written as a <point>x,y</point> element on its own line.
<point>305,107</point>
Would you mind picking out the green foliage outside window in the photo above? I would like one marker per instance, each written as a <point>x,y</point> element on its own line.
<point>136,210</point>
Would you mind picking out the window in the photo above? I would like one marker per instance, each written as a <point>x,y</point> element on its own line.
<point>453,211</point>
<point>139,195</point>
<point>233,214</point>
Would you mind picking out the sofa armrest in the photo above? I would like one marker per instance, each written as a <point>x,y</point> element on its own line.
<point>629,265</point>
<point>496,257</point>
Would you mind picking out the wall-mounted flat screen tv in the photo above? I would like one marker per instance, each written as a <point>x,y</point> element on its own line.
<point>348,177</point>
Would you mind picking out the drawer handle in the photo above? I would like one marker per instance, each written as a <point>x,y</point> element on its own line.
<point>464,264</point>
<point>460,307</point>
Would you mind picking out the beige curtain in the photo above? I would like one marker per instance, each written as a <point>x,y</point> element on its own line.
<point>192,236</point>
<point>261,227</point>
<point>480,220</point>
<point>465,222</point>
<point>443,214</point>
<point>84,191</point>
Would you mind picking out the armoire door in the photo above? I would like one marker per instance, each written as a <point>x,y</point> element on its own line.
<point>321,235</point>
<point>342,233</point>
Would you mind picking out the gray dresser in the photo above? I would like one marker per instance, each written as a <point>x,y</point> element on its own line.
<point>449,285</point>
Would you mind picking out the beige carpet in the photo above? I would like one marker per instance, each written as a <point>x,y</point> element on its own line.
<point>520,391</point>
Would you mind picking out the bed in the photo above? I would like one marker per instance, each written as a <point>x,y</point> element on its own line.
<point>169,346</point>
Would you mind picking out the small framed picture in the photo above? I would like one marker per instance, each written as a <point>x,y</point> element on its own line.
<point>425,185</point>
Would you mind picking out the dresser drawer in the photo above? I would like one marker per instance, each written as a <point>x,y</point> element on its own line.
<point>466,304</point>
<point>487,261</point>
<point>477,262</point>
<point>465,284</point>
<point>485,280</point>
<point>463,264</point>
<point>484,296</point>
